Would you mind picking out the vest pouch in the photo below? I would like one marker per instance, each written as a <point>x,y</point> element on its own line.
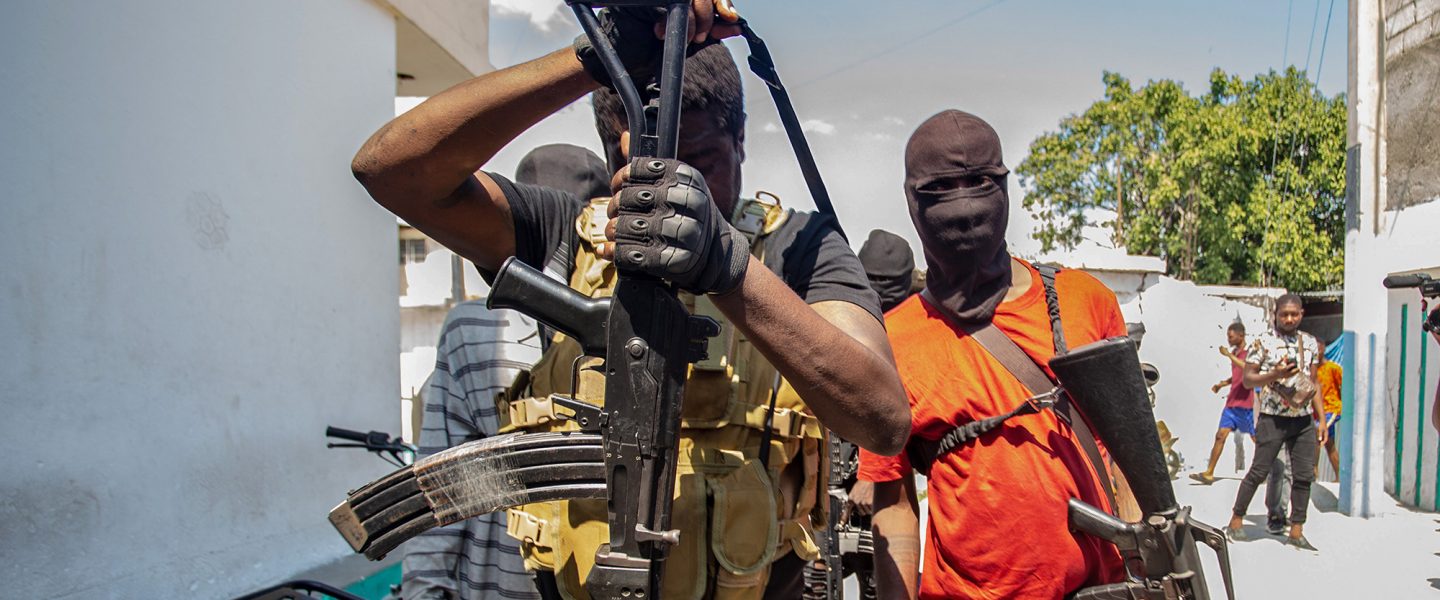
<point>743,530</point>
<point>581,527</point>
<point>707,399</point>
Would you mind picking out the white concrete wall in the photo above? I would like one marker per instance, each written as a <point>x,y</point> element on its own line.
<point>1412,371</point>
<point>194,287</point>
<point>1378,242</point>
<point>1184,328</point>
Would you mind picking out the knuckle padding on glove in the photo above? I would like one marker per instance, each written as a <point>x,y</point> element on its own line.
<point>667,227</point>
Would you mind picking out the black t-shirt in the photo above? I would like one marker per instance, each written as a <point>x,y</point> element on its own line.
<point>807,252</point>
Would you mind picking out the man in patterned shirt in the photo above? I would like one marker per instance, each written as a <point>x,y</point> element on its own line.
<point>1282,370</point>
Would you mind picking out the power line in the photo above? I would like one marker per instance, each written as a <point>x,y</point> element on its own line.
<point>1324,41</point>
<point>1285,56</point>
<point>1274,156</point>
<point>1315,86</point>
<point>1310,44</point>
<point>907,42</point>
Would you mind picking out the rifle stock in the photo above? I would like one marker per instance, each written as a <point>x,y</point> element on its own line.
<point>1106,382</point>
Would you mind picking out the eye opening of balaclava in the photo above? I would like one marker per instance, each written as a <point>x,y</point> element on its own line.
<point>955,185</point>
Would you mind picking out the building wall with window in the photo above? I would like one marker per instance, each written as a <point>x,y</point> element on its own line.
<point>195,286</point>
<point>1387,445</point>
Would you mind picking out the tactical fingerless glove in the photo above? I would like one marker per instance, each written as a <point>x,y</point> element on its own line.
<point>631,32</point>
<point>667,227</point>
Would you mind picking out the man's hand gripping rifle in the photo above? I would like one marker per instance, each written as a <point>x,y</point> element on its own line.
<point>1161,556</point>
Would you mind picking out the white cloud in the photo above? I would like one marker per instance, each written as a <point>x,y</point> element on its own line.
<point>808,126</point>
<point>892,120</point>
<point>541,13</point>
<point>817,126</point>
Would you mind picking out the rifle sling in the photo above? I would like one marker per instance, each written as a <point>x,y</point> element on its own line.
<point>763,65</point>
<point>923,453</point>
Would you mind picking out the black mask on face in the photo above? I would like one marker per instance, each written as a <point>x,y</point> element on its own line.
<point>890,265</point>
<point>955,184</point>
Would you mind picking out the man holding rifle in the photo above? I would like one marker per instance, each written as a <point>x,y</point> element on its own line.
<point>794,300</point>
<point>998,523</point>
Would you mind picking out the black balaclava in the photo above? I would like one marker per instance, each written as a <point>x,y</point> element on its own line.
<point>566,168</point>
<point>890,265</point>
<point>955,184</point>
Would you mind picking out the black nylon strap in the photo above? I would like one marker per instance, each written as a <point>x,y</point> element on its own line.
<point>763,65</point>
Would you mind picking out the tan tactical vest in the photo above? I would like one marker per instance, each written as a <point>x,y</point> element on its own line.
<point>733,521</point>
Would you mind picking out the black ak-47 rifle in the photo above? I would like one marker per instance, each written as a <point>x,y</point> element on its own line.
<point>624,452</point>
<point>1161,553</point>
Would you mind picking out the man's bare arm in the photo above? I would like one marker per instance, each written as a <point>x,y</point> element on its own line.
<point>835,354</point>
<point>1253,378</point>
<point>423,165</point>
<point>896,530</point>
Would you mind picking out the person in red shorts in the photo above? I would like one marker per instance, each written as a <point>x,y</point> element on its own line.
<point>997,503</point>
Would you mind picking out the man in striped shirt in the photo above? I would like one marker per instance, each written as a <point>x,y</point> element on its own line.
<point>479,353</point>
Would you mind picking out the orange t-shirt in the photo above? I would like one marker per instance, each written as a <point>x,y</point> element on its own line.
<point>1330,377</point>
<point>998,525</point>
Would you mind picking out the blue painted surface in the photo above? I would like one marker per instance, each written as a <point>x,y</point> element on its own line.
<point>1347,419</point>
<point>377,585</point>
<point>1369,429</point>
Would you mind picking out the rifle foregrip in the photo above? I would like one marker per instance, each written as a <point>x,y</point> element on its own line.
<point>519,286</point>
<point>1105,381</point>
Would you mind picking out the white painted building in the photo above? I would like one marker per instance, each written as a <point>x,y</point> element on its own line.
<point>195,286</point>
<point>1391,221</point>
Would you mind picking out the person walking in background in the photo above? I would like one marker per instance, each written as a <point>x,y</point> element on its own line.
<point>1282,367</point>
<point>1239,416</point>
<point>1239,412</point>
<point>1330,376</point>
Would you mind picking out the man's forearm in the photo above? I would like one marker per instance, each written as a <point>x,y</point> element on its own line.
<point>427,153</point>
<point>850,384</point>
<point>1253,378</point>
<point>896,531</point>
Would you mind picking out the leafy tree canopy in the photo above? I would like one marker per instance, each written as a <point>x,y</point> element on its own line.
<point>1243,184</point>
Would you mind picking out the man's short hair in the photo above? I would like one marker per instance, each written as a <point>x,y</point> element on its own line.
<point>1237,327</point>
<point>1289,299</point>
<point>712,82</point>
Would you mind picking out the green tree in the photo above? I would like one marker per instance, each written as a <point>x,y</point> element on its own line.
<point>1243,184</point>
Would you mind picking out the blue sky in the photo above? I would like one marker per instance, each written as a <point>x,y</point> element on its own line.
<point>864,74</point>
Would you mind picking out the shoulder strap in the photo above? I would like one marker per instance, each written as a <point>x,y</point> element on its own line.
<point>1052,304</point>
<point>1064,406</point>
<point>1019,364</point>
